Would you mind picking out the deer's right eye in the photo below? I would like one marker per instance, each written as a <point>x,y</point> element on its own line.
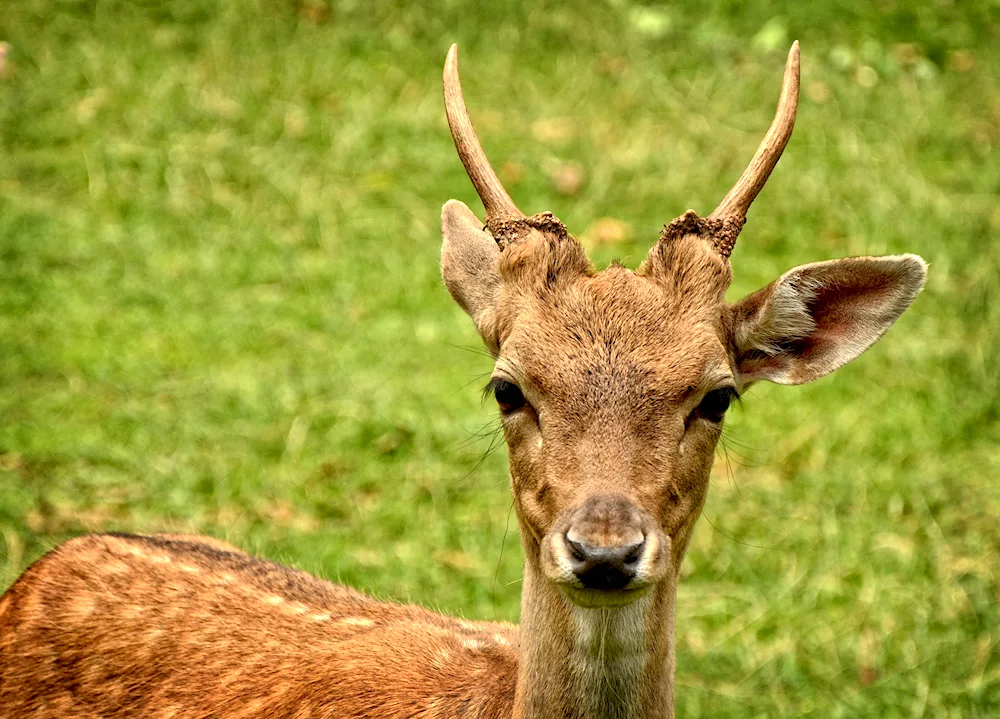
<point>508,394</point>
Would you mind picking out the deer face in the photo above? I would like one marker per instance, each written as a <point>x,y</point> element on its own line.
<point>613,386</point>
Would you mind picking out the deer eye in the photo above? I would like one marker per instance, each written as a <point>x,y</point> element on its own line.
<point>508,394</point>
<point>714,404</point>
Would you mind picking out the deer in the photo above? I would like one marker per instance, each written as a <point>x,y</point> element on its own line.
<point>612,388</point>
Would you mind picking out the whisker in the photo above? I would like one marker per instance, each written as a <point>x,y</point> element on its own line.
<point>740,542</point>
<point>496,572</point>
<point>487,430</point>
<point>730,472</point>
<point>496,442</point>
<point>728,435</point>
<point>475,380</point>
<point>476,350</point>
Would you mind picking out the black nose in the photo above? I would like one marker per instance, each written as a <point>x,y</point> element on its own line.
<point>604,567</point>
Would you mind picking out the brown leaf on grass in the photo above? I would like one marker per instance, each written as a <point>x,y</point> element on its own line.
<point>318,13</point>
<point>456,560</point>
<point>984,134</point>
<point>866,76</point>
<point>88,107</point>
<point>10,462</point>
<point>607,231</point>
<point>568,178</point>
<point>818,92</point>
<point>280,513</point>
<point>906,53</point>
<point>553,129</point>
<point>867,676</point>
<point>296,123</point>
<point>868,653</point>
<point>393,440</point>
<point>511,172</point>
<point>331,469</point>
<point>331,104</point>
<point>218,103</point>
<point>610,65</point>
<point>962,60</point>
<point>6,65</point>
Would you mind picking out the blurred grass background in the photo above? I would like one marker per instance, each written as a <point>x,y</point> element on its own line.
<point>220,309</point>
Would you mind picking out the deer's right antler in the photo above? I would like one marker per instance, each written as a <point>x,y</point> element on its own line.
<point>499,206</point>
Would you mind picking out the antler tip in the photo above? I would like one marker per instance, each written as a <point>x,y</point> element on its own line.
<point>738,201</point>
<point>792,73</point>
<point>495,198</point>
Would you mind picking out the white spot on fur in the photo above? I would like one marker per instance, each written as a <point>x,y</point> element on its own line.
<point>501,639</point>
<point>190,569</point>
<point>472,644</point>
<point>320,617</point>
<point>83,605</point>
<point>161,559</point>
<point>253,708</point>
<point>116,567</point>
<point>357,622</point>
<point>274,599</point>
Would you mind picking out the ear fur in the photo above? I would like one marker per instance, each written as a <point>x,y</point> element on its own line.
<point>469,256</point>
<point>817,317</point>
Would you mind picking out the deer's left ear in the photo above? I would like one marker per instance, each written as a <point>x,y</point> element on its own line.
<point>817,317</point>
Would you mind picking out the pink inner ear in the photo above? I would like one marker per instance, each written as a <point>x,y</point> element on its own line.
<point>850,303</point>
<point>848,307</point>
<point>849,310</point>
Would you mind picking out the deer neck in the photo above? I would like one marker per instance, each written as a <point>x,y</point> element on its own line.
<point>578,663</point>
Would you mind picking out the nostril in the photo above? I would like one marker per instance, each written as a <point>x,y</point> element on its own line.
<point>634,552</point>
<point>603,567</point>
<point>576,550</point>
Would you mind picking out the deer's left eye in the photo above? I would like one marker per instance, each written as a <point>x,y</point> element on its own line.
<point>714,404</point>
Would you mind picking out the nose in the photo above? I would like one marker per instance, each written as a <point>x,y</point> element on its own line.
<point>604,567</point>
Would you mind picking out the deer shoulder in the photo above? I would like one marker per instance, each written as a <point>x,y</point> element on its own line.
<point>175,626</point>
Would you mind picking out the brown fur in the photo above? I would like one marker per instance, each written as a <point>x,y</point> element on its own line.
<point>612,444</point>
<point>148,626</point>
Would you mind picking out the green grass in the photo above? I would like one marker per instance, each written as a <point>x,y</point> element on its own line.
<point>220,308</point>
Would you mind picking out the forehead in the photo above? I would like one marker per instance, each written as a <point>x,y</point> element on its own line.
<point>615,325</point>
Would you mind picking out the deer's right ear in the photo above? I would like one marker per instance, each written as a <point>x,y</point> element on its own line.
<point>469,256</point>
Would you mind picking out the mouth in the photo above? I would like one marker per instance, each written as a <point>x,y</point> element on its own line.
<point>603,598</point>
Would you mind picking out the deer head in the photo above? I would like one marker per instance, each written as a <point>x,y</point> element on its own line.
<point>613,385</point>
